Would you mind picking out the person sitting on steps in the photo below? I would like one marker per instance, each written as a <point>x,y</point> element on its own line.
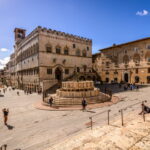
<point>145,109</point>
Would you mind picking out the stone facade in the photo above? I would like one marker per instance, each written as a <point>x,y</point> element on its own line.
<point>128,62</point>
<point>47,56</point>
<point>1,77</point>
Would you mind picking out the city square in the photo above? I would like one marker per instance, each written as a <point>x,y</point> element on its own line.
<point>74,75</point>
<point>40,129</point>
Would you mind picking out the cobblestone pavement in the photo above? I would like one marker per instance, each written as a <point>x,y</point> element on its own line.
<point>34,129</point>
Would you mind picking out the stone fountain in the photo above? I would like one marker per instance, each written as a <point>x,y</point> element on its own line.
<point>73,92</point>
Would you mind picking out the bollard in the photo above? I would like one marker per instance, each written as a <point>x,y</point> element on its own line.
<point>121,111</point>
<point>43,95</point>
<point>108,115</point>
<point>5,146</point>
<point>91,122</point>
<point>143,110</point>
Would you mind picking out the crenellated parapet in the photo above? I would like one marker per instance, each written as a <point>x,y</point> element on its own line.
<point>67,36</point>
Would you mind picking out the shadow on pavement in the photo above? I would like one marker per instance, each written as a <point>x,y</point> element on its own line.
<point>10,127</point>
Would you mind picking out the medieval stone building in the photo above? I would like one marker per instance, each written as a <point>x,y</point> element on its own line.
<point>45,57</point>
<point>128,62</point>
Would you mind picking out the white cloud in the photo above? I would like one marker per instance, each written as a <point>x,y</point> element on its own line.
<point>3,62</point>
<point>3,49</point>
<point>142,13</point>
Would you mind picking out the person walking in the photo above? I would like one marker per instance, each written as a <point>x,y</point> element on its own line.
<point>5,113</point>
<point>137,87</point>
<point>18,93</point>
<point>84,104</point>
<point>51,101</point>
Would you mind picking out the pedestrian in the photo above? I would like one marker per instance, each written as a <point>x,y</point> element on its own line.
<point>84,104</point>
<point>18,93</point>
<point>124,88</point>
<point>5,113</point>
<point>120,85</point>
<point>145,109</point>
<point>110,93</point>
<point>51,101</point>
<point>131,87</point>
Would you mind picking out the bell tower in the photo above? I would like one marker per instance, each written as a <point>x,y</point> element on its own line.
<point>19,34</point>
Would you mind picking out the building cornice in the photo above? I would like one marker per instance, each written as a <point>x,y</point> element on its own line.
<point>119,45</point>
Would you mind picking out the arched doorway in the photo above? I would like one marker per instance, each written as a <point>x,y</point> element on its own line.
<point>148,79</point>
<point>94,78</point>
<point>137,79</point>
<point>82,78</point>
<point>58,74</point>
<point>115,80</point>
<point>107,80</point>
<point>126,77</point>
<point>89,78</point>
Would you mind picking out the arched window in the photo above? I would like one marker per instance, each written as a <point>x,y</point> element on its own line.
<point>137,79</point>
<point>148,79</point>
<point>148,59</point>
<point>84,68</point>
<point>115,60</point>
<point>106,72</point>
<point>84,54</point>
<point>66,51</point>
<point>33,49</point>
<point>107,80</point>
<point>78,52</point>
<point>136,58</point>
<point>48,48</point>
<point>147,56</point>
<point>36,47</point>
<point>115,72</point>
<point>58,49</point>
<point>78,69</point>
<point>126,59</point>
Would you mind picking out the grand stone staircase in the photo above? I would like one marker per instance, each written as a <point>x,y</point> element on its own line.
<point>57,85</point>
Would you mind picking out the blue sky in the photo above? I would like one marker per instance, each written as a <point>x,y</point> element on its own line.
<point>104,21</point>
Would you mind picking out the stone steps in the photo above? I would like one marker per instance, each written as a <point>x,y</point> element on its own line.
<point>78,101</point>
